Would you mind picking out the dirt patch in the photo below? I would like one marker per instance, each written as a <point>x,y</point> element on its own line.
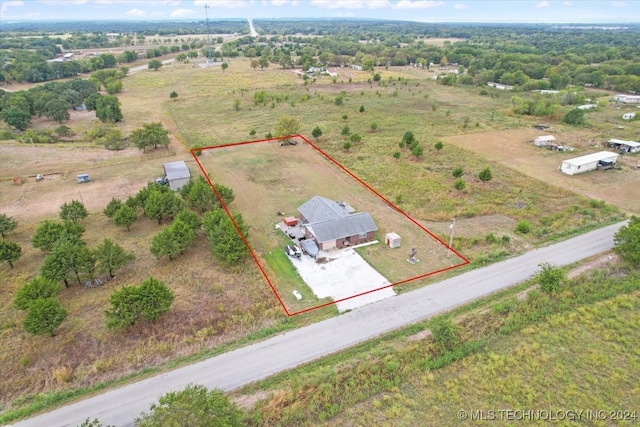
<point>248,401</point>
<point>514,149</point>
<point>422,335</point>
<point>593,263</point>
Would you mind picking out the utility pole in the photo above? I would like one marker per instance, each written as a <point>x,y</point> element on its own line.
<point>451,226</point>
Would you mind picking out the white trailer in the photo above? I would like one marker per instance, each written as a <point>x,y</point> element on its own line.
<point>602,159</point>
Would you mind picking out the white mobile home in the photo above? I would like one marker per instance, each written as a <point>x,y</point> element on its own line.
<point>544,140</point>
<point>177,174</point>
<point>603,159</point>
<point>627,99</point>
<point>624,146</point>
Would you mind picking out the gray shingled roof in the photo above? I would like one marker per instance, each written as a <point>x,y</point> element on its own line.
<point>342,227</point>
<point>176,170</point>
<point>319,209</point>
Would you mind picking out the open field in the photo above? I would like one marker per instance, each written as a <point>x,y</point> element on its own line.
<point>521,350</point>
<point>513,149</point>
<point>214,306</point>
<point>268,178</point>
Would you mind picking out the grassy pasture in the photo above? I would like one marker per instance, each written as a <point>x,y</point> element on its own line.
<point>268,178</point>
<point>215,307</point>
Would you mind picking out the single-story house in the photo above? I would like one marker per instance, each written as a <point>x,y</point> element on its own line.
<point>602,159</point>
<point>587,106</point>
<point>627,99</point>
<point>500,86</point>
<point>624,146</point>
<point>335,224</point>
<point>177,174</point>
<point>543,140</point>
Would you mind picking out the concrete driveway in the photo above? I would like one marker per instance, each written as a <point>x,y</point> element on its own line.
<point>340,274</point>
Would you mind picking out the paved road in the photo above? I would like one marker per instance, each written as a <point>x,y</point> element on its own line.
<point>232,370</point>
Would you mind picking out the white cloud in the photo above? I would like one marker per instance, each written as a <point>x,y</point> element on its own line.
<point>226,4</point>
<point>279,2</point>
<point>181,13</point>
<point>542,4</point>
<point>461,6</point>
<point>135,12</point>
<point>5,5</point>
<point>619,4</point>
<point>567,3</point>
<point>419,4</point>
<point>351,4</point>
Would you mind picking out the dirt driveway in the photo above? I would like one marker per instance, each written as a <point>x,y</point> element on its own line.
<point>342,274</point>
<point>513,149</point>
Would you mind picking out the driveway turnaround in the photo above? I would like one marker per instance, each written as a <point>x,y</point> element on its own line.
<point>340,274</point>
<point>229,371</point>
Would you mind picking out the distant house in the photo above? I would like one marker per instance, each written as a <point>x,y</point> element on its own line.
<point>544,140</point>
<point>334,224</point>
<point>603,160</point>
<point>624,146</point>
<point>500,86</point>
<point>177,174</point>
<point>357,67</point>
<point>627,99</point>
<point>548,92</point>
<point>587,106</point>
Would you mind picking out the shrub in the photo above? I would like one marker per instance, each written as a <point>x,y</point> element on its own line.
<point>37,288</point>
<point>523,227</point>
<point>44,315</point>
<point>129,304</point>
<point>457,172</point>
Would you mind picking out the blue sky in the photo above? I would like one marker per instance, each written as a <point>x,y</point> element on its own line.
<point>549,11</point>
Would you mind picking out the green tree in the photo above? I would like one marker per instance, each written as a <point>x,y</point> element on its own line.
<point>44,315</point>
<point>47,234</point>
<point>129,304</point>
<point>263,63</point>
<point>374,127</point>
<point>112,140</point>
<point>9,251</point>
<point>446,334</point>
<point>224,66</point>
<point>16,117</point>
<point>408,139</point>
<point>417,150</point>
<point>73,211</point>
<point>154,64</point>
<point>150,135</point>
<point>485,175</point>
<point>190,218</point>
<point>574,117</point>
<point>361,109</point>
<point>345,131</point>
<point>438,145</point>
<point>7,224</point>
<point>108,109</point>
<point>110,257</point>
<point>162,205</point>
<point>316,133</point>
<point>287,126</point>
<point>226,244</point>
<point>38,287</point>
<point>194,406</point>
<point>627,242</point>
<point>57,109</point>
<point>112,207</point>
<point>69,258</point>
<point>457,172</point>
<point>125,216</point>
<point>201,196</point>
<point>164,243</point>
<point>226,193</point>
<point>355,138</point>
<point>459,184</point>
<point>173,95</point>
<point>550,278</point>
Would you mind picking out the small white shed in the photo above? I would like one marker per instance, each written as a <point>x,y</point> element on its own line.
<point>544,140</point>
<point>628,116</point>
<point>177,174</point>
<point>605,159</point>
<point>392,240</point>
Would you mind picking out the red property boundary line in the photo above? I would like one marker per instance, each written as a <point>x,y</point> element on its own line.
<point>332,160</point>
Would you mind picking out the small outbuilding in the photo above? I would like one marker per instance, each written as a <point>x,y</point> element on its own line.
<point>177,174</point>
<point>392,240</point>
<point>624,146</point>
<point>82,178</point>
<point>290,221</point>
<point>602,159</point>
<point>544,140</point>
<point>628,116</point>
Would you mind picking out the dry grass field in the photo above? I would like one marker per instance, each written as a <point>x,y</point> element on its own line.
<point>215,306</point>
